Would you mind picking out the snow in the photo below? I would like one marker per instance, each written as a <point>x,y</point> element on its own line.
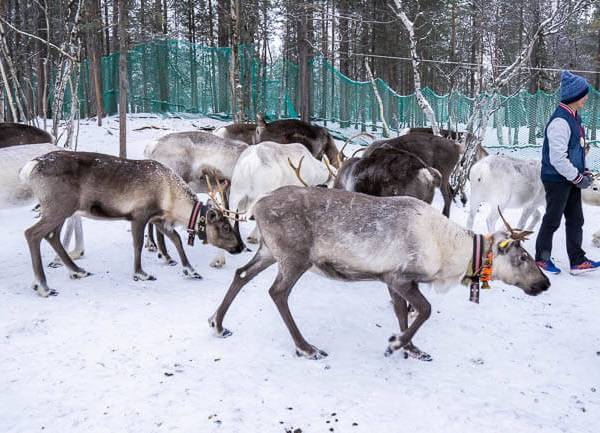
<point>112,355</point>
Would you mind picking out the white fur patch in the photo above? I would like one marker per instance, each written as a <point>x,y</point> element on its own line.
<point>27,169</point>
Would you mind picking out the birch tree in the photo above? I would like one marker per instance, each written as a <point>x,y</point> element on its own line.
<point>416,66</point>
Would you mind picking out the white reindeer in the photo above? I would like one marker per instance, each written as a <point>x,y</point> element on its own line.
<point>15,192</point>
<point>267,166</point>
<point>591,196</point>
<point>506,183</point>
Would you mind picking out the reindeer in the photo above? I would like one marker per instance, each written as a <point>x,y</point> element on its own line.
<point>267,166</point>
<point>106,187</point>
<point>437,152</point>
<point>389,172</point>
<point>591,196</point>
<point>315,138</point>
<point>400,241</point>
<point>446,133</point>
<point>504,183</point>
<point>18,145</point>
<point>15,134</point>
<point>245,132</point>
<point>194,155</point>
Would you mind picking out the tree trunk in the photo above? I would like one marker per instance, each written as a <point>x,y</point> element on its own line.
<point>416,65</point>
<point>343,29</point>
<point>234,74</point>
<point>304,81</point>
<point>223,40</point>
<point>122,79</point>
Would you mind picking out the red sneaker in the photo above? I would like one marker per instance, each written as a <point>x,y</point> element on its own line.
<point>584,267</point>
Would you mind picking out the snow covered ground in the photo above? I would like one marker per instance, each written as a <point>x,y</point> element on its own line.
<point>113,355</point>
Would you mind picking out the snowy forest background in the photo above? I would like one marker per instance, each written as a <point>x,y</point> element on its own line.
<point>469,38</point>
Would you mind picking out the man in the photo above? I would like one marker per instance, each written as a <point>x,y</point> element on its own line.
<point>564,176</point>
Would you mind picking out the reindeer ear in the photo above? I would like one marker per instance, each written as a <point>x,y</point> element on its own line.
<point>212,216</point>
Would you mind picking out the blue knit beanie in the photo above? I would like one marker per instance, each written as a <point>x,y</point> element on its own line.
<point>572,87</point>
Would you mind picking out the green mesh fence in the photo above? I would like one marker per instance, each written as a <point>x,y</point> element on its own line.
<point>179,77</point>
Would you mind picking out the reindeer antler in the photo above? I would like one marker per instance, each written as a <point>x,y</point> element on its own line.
<point>341,155</point>
<point>330,169</point>
<point>237,216</point>
<point>362,149</point>
<point>297,170</point>
<point>515,234</point>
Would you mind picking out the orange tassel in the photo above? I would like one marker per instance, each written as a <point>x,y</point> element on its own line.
<point>486,271</point>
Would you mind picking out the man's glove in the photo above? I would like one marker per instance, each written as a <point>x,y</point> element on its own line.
<point>583,181</point>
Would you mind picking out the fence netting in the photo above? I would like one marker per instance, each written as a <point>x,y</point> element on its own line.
<point>177,77</point>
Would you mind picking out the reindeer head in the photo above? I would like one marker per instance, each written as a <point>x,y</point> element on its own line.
<point>591,195</point>
<point>513,265</point>
<point>219,231</point>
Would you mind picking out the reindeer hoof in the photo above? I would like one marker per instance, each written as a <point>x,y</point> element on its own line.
<point>395,343</point>
<point>410,350</point>
<point>56,263</point>
<point>76,254</point>
<point>223,333</point>
<point>314,353</point>
<point>79,275</point>
<point>252,240</point>
<point>143,277</point>
<point>42,291</point>
<point>191,273</point>
<point>218,263</point>
<point>168,260</point>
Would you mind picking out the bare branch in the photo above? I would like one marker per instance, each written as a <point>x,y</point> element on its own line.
<point>60,50</point>
<point>416,66</point>
<point>386,130</point>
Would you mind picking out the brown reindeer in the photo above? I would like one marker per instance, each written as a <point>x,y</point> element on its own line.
<point>245,132</point>
<point>106,187</point>
<point>285,131</point>
<point>437,152</point>
<point>15,134</point>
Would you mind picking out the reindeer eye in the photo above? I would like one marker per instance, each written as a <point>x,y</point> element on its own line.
<point>226,228</point>
<point>524,257</point>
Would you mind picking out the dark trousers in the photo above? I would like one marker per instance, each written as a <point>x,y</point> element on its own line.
<point>562,198</point>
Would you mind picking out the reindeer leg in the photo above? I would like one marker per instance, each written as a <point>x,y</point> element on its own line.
<point>409,291</point>
<point>79,246</point>
<point>447,195</point>
<point>254,236</point>
<point>150,244</point>
<point>472,212</point>
<point>261,261</point>
<point>280,291</point>
<point>174,237</point>
<point>537,216</point>
<point>163,254</point>
<point>401,308</point>
<point>54,241</point>
<point>137,232</point>
<point>493,217</point>
<point>34,236</point>
<point>73,226</point>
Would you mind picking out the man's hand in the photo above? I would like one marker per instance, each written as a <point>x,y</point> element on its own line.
<point>583,181</point>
